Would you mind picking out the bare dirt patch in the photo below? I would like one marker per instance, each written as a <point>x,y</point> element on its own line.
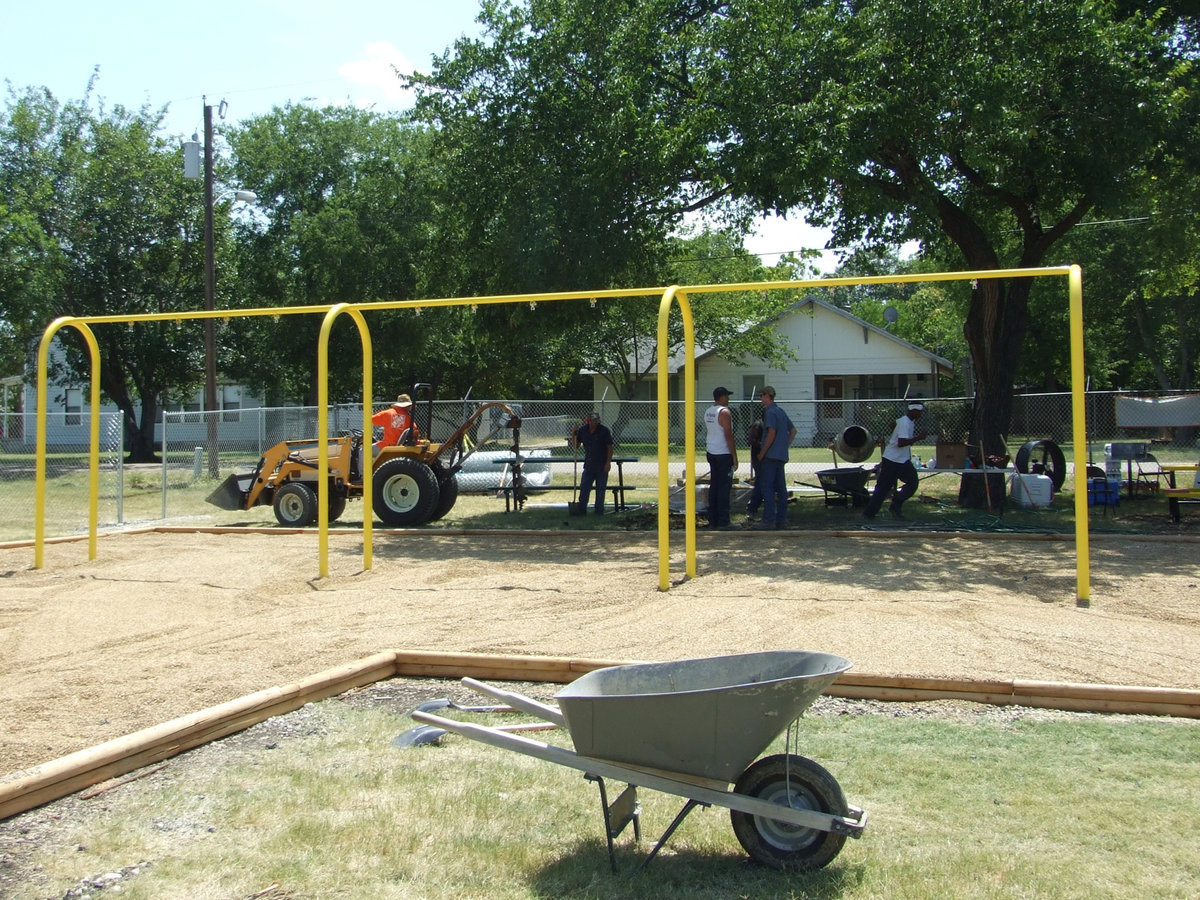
<point>164,624</point>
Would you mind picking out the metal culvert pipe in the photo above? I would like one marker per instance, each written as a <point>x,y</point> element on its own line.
<point>854,444</point>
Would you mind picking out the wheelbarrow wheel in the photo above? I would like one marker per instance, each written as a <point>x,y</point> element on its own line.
<point>799,783</point>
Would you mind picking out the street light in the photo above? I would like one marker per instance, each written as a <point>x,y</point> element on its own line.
<point>191,168</point>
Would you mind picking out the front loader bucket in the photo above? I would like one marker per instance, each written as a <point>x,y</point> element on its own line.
<point>231,494</point>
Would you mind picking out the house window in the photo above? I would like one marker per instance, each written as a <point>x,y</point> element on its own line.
<point>832,392</point>
<point>192,409</point>
<point>752,385</point>
<point>231,404</point>
<point>73,406</point>
<point>645,389</point>
<point>883,387</point>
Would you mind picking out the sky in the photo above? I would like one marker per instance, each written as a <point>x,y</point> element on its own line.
<point>255,55</point>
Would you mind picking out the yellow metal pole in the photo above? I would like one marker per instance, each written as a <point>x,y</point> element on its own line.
<point>39,481</point>
<point>323,434</point>
<point>1079,436</point>
<point>664,437</point>
<point>689,440</point>
<point>689,427</point>
<point>368,497</point>
<point>94,443</point>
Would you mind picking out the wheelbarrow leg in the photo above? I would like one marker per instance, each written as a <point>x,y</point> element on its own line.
<point>687,808</point>
<point>625,809</point>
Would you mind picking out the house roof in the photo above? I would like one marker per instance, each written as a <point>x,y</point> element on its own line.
<point>675,364</point>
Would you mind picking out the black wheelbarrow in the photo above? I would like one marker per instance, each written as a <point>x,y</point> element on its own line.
<point>692,728</point>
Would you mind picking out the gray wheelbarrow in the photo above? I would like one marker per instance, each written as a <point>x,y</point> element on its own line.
<point>692,728</point>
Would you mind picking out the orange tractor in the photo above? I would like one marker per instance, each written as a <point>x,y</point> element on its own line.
<point>412,482</point>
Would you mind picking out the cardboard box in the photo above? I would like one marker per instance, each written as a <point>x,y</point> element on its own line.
<point>950,456</point>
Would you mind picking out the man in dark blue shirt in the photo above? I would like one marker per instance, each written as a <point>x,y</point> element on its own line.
<point>597,443</point>
<point>778,434</point>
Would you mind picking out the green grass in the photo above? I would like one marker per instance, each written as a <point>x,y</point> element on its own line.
<point>1002,805</point>
<point>934,507</point>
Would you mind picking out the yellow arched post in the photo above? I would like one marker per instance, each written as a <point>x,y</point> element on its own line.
<point>39,490</point>
<point>364,334</point>
<point>1079,436</point>
<point>689,446</point>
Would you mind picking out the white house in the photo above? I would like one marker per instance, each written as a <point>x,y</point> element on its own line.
<point>840,357</point>
<point>68,422</point>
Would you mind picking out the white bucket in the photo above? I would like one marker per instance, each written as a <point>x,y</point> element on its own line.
<point>1031,491</point>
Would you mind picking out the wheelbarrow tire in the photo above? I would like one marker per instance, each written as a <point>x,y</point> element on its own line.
<point>805,784</point>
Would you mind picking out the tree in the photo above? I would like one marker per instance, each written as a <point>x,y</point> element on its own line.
<point>353,208</point>
<point>103,223</point>
<point>619,339</point>
<point>989,128</point>
<point>986,130</point>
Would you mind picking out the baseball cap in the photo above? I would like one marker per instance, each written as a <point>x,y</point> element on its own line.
<point>721,392</point>
<point>916,404</point>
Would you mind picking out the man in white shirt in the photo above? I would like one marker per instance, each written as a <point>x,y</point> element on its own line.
<point>897,464</point>
<point>722,459</point>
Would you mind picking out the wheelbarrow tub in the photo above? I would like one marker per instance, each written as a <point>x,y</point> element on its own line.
<point>709,717</point>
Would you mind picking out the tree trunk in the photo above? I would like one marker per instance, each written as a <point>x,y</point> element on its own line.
<point>142,446</point>
<point>995,331</point>
<point>1149,344</point>
<point>114,383</point>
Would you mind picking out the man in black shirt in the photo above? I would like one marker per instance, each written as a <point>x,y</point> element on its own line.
<point>597,443</point>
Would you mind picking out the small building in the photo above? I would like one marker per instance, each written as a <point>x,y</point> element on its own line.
<point>840,358</point>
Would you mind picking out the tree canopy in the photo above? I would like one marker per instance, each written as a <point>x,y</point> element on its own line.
<point>986,129</point>
<point>97,219</point>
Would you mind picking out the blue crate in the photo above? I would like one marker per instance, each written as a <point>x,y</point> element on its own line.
<point>1104,492</point>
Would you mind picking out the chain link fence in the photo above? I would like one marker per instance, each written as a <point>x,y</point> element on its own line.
<point>199,450</point>
<point>67,474</point>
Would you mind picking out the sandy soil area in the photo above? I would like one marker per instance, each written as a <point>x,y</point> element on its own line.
<point>164,624</point>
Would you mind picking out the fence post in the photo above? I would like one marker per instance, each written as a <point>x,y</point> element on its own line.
<point>120,469</point>
<point>163,452</point>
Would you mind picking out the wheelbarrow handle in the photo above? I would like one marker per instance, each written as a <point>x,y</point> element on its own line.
<point>518,701</point>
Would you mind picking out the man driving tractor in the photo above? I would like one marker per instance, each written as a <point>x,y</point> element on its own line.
<point>396,420</point>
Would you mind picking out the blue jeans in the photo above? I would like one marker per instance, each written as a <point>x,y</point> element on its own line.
<point>720,467</point>
<point>773,483</point>
<point>590,477</point>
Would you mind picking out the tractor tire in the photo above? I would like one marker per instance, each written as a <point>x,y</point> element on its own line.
<point>337,506</point>
<point>406,492</point>
<point>295,505</point>
<point>447,497</point>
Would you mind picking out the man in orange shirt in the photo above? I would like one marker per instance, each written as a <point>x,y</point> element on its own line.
<point>395,420</point>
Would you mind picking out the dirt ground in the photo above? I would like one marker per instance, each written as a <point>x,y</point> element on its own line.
<point>165,624</point>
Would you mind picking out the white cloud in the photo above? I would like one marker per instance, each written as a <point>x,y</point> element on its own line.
<point>375,69</point>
